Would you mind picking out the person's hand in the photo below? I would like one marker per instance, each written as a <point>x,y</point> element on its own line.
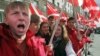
<point>49,51</point>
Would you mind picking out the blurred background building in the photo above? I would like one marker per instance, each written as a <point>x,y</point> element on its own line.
<point>41,4</point>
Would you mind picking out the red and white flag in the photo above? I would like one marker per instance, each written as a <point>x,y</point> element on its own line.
<point>94,15</point>
<point>35,10</point>
<point>93,9</point>
<point>89,5</point>
<point>51,10</point>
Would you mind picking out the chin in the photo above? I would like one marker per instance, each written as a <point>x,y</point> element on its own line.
<point>20,34</point>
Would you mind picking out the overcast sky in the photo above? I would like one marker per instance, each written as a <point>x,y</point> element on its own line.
<point>98,2</point>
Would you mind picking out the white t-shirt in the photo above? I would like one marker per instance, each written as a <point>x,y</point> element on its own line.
<point>69,49</point>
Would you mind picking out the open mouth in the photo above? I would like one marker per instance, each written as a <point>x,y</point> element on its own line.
<point>21,26</point>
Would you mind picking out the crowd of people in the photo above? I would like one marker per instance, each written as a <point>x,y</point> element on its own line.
<point>24,35</point>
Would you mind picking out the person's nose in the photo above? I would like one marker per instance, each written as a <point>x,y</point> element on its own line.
<point>21,17</point>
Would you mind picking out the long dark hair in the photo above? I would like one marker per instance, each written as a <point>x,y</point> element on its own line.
<point>39,31</point>
<point>64,34</point>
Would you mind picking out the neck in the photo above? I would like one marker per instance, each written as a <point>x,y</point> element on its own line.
<point>21,39</point>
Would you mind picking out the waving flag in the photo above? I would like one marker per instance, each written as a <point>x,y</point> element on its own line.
<point>94,14</point>
<point>35,10</point>
<point>93,9</point>
<point>51,10</point>
<point>89,5</point>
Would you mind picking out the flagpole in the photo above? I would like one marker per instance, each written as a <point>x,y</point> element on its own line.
<point>57,22</point>
<point>55,27</point>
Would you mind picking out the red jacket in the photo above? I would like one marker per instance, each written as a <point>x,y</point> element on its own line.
<point>73,37</point>
<point>8,44</point>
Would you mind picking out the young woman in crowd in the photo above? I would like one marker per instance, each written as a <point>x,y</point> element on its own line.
<point>44,32</point>
<point>61,43</point>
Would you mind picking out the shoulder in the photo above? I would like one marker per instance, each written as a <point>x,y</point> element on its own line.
<point>3,29</point>
<point>3,26</point>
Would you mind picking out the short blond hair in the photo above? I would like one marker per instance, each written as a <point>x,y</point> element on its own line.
<point>14,5</point>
